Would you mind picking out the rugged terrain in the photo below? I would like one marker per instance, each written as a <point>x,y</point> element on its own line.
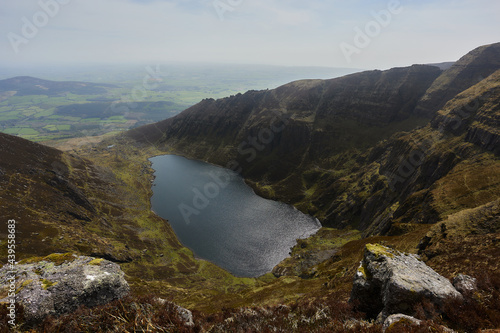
<point>407,157</point>
<point>368,150</point>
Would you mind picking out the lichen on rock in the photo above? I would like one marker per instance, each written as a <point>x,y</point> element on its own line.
<point>380,250</point>
<point>59,284</point>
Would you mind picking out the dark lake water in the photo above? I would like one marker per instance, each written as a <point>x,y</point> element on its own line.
<point>220,218</point>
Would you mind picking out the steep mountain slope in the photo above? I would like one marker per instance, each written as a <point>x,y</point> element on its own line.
<point>336,149</point>
<point>37,193</point>
<point>424,175</point>
<point>60,201</point>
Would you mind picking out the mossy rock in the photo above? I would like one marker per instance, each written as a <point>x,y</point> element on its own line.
<point>23,285</point>
<point>96,261</point>
<point>363,270</point>
<point>380,250</point>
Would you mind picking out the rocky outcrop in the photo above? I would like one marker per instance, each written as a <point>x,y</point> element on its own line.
<point>389,282</point>
<point>309,253</point>
<point>60,283</point>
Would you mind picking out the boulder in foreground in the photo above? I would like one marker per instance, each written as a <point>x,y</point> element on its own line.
<point>60,283</point>
<point>389,282</point>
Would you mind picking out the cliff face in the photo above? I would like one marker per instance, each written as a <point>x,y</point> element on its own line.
<point>374,150</point>
<point>301,121</point>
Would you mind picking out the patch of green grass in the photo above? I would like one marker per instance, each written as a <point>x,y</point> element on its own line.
<point>51,128</point>
<point>380,250</point>
<point>27,131</point>
<point>7,117</point>
<point>12,130</point>
<point>45,113</point>
<point>23,285</point>
<point>63,127</point>
<point>91,120</point>
<point>117,118</point>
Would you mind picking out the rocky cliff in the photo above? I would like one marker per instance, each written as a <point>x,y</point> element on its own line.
<point>310,119</point>
<point>469,70</point>
<point>368,150</point>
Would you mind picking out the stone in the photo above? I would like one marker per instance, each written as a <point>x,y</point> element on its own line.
<point>396,318</point>
<point>464,283</point>
<point>401,318</point>
<point>390,282</point>
<point>185,314</point>
<point>60,283</point>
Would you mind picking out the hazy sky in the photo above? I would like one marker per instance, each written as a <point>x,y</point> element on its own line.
<point>278,32</point>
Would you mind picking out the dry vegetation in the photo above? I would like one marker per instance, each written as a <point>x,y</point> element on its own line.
<point>479,310</point>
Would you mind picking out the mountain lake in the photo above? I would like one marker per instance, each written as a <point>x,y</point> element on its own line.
<point>220,218</point>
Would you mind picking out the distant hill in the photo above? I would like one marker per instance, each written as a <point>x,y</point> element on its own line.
<point>27,85</point>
